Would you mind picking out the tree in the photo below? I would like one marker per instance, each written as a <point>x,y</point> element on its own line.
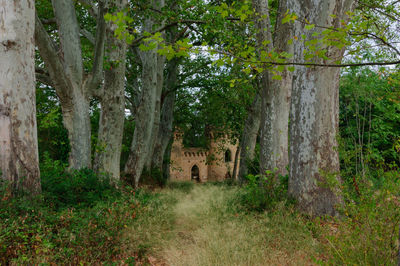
<point>112,100</point>
<point>275,92</point>
<point>249,136</point>
<point>19,160</point>
<point>73,85</point>
<point>314,158</point>
<point>145,111</point>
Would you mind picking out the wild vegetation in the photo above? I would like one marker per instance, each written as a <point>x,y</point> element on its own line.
<point>91,93</point>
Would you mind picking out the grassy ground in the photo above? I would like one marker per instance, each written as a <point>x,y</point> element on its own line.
<point>196,224</point>
<point>206,231</point>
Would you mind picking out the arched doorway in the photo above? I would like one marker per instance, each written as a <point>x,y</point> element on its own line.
<point>195,173</point>
<point>228,156</point>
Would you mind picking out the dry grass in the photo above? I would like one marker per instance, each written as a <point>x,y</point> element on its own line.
<point>206,232</point>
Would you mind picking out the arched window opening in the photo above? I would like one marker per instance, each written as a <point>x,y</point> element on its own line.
<point>228,156</point>
<point>195,173</point>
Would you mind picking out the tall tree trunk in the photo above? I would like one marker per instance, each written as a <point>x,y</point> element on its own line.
<point>235,163</point>
<point>76,119</point>
<point>75,106</point>
<point>157,110</point>
<point>144,120</point>
<point>275,94</point>
<point>73,86</point>
<point>249,136</point>
<point>167,114</point>
<point>314,159</point>
<point>145,113</point>
<point>111,124</point>
<point>19,159</point>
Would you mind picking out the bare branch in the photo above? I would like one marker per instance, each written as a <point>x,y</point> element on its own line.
<point>44,79</point>
<point>48,21</point>
<point>51,59</point>
<point>98,60</point>
<point>90,6</point>
<point>88,35</point>
<point>185,21</point>
<point>309,64</point>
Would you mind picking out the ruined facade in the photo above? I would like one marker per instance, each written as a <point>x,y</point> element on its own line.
<point>199,164</point>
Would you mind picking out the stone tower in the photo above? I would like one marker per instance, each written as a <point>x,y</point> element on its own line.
<point>215,163</point>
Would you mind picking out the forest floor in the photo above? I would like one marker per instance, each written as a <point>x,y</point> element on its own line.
<point>205,229</point>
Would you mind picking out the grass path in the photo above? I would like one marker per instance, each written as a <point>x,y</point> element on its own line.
<point>204,232</point>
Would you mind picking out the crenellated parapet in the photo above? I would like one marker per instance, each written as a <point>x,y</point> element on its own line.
<point>214,163</point>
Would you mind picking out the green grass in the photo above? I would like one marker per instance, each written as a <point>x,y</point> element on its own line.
<point>197,224</point>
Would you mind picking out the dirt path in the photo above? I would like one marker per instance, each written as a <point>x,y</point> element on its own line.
<point>205,233</point>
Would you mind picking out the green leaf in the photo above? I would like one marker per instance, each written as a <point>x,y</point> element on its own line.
<point>309,27</point>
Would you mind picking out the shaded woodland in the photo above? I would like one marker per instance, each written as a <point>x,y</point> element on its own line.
<point>91,93</point>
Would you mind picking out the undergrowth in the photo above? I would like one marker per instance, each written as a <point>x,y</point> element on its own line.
<point>80,218</point>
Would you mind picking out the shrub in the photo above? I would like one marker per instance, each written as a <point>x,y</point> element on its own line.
<point>153,177</point>
<point>31,232</point>
<point>78,188</point>
<point>368,232</point>
<point>184,186</point>
<point>262,192</point>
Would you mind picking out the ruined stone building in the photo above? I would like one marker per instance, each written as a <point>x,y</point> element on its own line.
<point>213,164</point>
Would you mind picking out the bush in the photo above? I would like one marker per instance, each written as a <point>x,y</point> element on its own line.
<point>262,192</point>
<point>31,232</point>
<point>153,177</point>
<point>368,232</point>
<point>184,186</point>
<point>78,188</point>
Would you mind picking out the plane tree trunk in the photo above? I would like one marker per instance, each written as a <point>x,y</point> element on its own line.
<point>19,159</point>
<point>167,114</point>
<point>275,94</point>
<point>145,111</point>
<point>314,160</point>
<point>112,100</point>
<point>249,136</point>
<point>73,86</point>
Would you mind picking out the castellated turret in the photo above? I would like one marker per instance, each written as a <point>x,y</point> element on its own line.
<point>199,164</point>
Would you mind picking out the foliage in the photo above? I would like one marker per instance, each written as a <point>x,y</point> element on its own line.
<point>153,177</point>
<point>86,230</point>
<point>368,232</point>
<point>184,186</point>
<point>52,136</point>
<point>77,189</point>
<point>369,122</point>
<point>262,192</point>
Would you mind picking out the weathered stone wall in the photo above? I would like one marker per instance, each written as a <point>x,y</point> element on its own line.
<point>211,163</point>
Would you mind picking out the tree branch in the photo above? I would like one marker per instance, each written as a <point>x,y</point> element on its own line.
<point>44,79</point>
<point>48,21</point>
<point>272,63</point>
<point>98,60</point>
<point>92,9</point>
<point>185,21</point>
<point>68,30</point>
<point>88,35</point>
<point>51,59</point>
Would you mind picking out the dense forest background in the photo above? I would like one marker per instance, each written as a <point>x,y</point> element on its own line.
<point>312,98</point>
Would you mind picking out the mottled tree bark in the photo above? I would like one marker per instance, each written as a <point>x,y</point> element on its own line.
<point>157,110</point>
<point>314,159</point>
<point>144,119</point>
<point>167,114</point>
<point>275,93</point>
<point>236,163</point>
<point>73,86</point>
<point>19,159</point>
<point>112,100</point>
<point>249,136</point>
<point>145,112</point>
